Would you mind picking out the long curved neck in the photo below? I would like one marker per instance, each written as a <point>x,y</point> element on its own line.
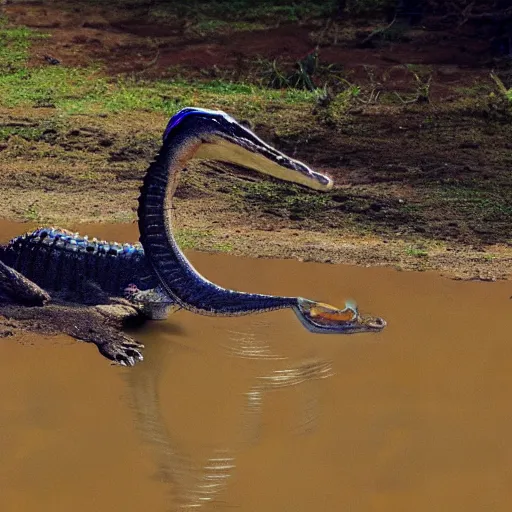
<point>178,277</point>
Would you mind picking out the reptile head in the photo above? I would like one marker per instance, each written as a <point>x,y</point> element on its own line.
<point>324,318</point>
<point>220,137</point>
<point>154,303</point>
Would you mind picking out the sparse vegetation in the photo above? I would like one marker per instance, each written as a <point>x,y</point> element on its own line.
<point>32,213</point>
<point>190,238</point>
<point>218,11</point>
<point>417,252</point>
<point>502,89</point>
<point>14,45</point>
<point>79,91</point>
<point>332,108</point>
<point>361,7</point>
<point>385,132</point>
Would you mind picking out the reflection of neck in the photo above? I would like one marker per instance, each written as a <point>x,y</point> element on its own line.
<point>178,277</point>
<point>185,477</point>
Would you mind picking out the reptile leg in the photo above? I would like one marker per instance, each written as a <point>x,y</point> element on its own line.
<point>99,325</point>
<point>16,288</point>
<point>103,328</point>
<point>119,348</point>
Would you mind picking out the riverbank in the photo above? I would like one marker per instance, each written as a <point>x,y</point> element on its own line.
<point>418,146</point>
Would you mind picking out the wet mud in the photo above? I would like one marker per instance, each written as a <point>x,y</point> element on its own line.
<point>259,414</point>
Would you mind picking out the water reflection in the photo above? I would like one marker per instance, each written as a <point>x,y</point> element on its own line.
<point>193,484</point>
<point>251,345</point>
<point>307,372</point>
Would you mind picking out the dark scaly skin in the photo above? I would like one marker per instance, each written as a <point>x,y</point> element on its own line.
<point>75,268</point>
<point>186,132</point>
<point>60,261</point>
<point>17,288</point>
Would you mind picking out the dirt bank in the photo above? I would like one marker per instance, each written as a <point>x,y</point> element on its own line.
<point>419,184</point>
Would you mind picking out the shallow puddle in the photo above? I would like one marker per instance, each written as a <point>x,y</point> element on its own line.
<point>259,414</point>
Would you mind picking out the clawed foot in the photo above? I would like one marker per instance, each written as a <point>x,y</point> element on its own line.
<point>101,325</point>
<point>124,353</point>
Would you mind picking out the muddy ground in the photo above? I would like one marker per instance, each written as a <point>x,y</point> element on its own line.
<point>421,183</point>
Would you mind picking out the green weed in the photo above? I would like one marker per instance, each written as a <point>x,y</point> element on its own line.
<point>14,46</point>
<point>416,252</point>
<point>502,89</point>
<point>192,238</point>
<point>32,213</point>
<point>332,109</point>
<point>360,7</point>
<point>85,91</point>
<point>212,26</point>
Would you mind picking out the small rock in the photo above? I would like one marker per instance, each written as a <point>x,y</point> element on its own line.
<point>51,60</point>
<point>117,312</point>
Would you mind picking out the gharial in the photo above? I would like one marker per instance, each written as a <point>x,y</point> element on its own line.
<point>158,277</point>
<point>196,133</point>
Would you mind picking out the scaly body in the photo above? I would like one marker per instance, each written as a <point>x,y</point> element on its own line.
<point>89,271</point>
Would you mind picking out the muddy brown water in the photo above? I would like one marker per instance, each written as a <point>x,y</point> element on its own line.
<point>259,414</point>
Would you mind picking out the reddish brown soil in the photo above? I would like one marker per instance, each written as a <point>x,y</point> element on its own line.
<point>125,45</point>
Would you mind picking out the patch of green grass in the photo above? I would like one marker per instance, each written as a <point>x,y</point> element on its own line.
<point>32,213</point>
<point>475,203</point>
<point>502,89</point>
<point>361,7</point>
<point>416,252</point>
<point>76,91</point>
<point>270,11</point>
<point>212,26</point>
<point>45,130</point>
<point>222,247</point>
<point>25,132</point>
<point>246,26</point>
<point>477,90</point>
<point>192,238</point>
<point>87,91</point>
<point>332,110</point>
<point>261,11</point>
<point>14,46</point>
